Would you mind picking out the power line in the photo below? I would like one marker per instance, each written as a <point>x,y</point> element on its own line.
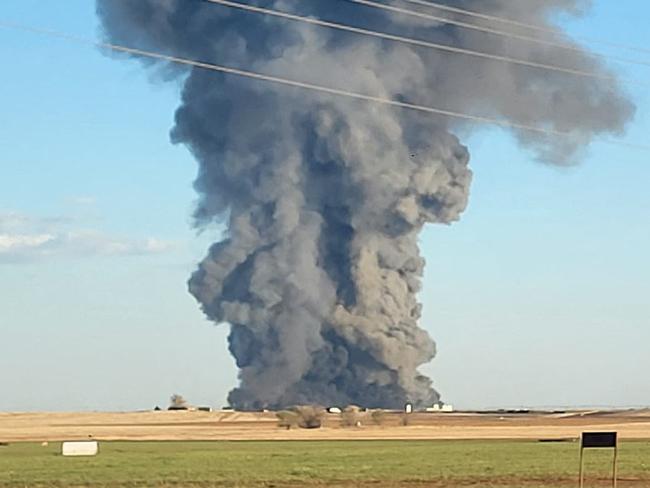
<point>489,30</point>
<point>418,42</point>
<point>526,25</point>
<point>299,84</point>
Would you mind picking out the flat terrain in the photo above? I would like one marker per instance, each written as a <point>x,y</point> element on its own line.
<point>159,426</point>
<point>249,450</point>
<point>343,464</point>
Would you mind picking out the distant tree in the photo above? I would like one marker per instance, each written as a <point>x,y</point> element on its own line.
<point>351,416</point>
<point>177,401</point>
<point>378,416</point>
<point>287,419</point>
<point>305,417</point>
<point>309,417</point>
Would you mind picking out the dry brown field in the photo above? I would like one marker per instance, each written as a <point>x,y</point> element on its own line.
<point>228,425</point>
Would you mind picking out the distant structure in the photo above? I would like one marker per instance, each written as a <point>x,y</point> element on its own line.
<point>441,407</point>
<point>408,408</point>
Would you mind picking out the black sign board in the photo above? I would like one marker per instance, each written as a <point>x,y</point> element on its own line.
<point>599,440</point>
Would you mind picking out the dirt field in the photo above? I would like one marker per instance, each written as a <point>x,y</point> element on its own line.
<point>37,427</point>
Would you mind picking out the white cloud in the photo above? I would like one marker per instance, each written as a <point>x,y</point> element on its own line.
<point>10,242</point>
<point>15,222</point>
<point>25,238</point>
<point>92,242</point>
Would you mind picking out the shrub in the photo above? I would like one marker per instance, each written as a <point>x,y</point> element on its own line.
<point>287,419</point>
<point>309,417</point>
<point>350,416</point>
<point>305,417</point>
<point>378,416</point>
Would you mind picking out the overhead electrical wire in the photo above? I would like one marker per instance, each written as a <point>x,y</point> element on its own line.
<point>490,30</point>
<point>418,42</point>
<point>304,85</point>
<point>520,24</point>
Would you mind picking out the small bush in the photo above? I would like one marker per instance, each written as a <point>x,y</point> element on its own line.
<point>309,417</point>
<point>287,419</point>
<point>378,417</point>
<point>305,417</point>
<point>350,416</point>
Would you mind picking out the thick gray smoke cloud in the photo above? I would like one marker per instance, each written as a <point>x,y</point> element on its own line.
<point>324,197</point>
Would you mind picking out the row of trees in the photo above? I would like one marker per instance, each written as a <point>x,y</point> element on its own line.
<point>307,417</point>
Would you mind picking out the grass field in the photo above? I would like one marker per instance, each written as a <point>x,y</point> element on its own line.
<point>511,464</point>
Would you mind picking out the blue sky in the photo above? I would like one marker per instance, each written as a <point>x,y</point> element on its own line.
<point>537,297</point>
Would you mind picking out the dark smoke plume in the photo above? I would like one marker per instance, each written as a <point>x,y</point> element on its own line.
<point>324,197</point>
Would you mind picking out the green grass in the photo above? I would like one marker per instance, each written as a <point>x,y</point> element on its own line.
<point>328,463</point>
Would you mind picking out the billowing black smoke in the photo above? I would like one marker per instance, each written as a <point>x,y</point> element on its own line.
<point>324,197</point>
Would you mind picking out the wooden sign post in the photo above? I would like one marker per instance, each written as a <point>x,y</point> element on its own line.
<point>599,440</point>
